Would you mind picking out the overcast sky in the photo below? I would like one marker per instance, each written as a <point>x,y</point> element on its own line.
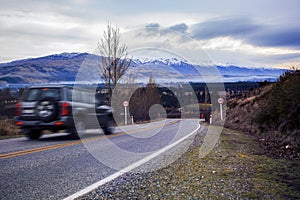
<point>256,32</point>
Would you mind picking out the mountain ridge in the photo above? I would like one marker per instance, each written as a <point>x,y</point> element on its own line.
<point>64,67</point>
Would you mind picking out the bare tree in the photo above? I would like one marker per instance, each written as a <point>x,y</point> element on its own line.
<point>114,62</point>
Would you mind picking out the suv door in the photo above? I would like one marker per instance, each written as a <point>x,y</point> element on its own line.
<point>83,107</point>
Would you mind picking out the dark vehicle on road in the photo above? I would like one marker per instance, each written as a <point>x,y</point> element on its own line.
<point>58,108</point>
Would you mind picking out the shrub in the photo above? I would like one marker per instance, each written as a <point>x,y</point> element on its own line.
<point>7,127</point>
<point>281,108</point>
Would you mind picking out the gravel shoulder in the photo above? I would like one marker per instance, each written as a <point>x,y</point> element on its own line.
<point>235,169</point>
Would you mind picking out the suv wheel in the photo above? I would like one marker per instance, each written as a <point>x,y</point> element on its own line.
<point>33,134</point>
<point>78,130</point>
<point>109,127</point>
<point>47,109</point>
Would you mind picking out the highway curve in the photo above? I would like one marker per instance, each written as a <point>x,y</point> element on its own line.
<point>56,166</point>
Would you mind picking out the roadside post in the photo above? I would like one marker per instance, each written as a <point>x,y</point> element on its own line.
<point>132,120</point>
<point>221,101</point>
<point>125,104</point>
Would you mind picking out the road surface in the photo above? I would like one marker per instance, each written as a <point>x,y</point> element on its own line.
<point>56,166</point>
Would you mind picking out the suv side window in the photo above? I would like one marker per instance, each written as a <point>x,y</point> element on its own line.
<point>77,96</point>
<point>87,97</point>
<point>80,96</point>
<point>84,97</point>
<point>69,94</point>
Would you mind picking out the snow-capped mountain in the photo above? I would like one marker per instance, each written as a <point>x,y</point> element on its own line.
<point>64,67</point>
<point>185,71</point>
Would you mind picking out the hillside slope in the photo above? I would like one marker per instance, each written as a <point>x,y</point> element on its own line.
<point>272,113</point>
<point>53,68</point>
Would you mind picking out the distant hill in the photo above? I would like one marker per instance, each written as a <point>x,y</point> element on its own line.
<point>64,67</point>
<point>53,68</point>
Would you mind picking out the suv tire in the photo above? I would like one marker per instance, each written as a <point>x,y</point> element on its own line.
<point>33,134</point>
<point>108,129</point>
<point>47,109</point>
<point>79,129</point>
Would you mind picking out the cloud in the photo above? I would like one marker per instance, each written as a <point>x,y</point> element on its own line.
<point>279,36</point>
<point>280,58</point>
<point>238,27</point>
<point>238,40</point>
<point>179,27</point>
<point>30,34</point>
<point>254,28</point>
<point>152,25</point>
<point>254,33</point>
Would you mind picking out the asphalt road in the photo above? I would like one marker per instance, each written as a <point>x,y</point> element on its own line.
<point>56,166</point>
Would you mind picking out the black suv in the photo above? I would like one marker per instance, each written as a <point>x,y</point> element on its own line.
<point>62,108</point>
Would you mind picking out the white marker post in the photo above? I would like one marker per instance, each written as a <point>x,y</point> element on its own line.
<point>132,120</point>
<point>125,104</point>
<point>221,101</point>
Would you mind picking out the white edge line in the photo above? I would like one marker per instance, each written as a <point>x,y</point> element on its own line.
<point>129,168</point>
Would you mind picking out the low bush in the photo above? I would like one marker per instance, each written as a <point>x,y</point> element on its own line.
<point>281,108</point>
<point>8,128</point>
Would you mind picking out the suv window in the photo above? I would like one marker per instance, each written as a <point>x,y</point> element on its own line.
<point>69,94</point>
<point>83,96</point>
<point>36,94</point>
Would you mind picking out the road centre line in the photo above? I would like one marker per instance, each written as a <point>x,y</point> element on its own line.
<point>51,147</point>
<point>129,168</point>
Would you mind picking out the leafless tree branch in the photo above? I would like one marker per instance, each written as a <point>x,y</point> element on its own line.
<point>114,62</point>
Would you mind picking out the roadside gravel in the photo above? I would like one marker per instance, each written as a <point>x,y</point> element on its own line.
<point>235,169</point>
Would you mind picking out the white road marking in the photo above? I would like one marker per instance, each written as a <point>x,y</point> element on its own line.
<point>129,168</point>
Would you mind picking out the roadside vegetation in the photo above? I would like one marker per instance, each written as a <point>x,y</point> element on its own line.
<point>8,129</point>
<point>279,115</point>
<point>272,113</point>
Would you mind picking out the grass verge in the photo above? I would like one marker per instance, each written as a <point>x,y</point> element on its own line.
<point>235,169</point>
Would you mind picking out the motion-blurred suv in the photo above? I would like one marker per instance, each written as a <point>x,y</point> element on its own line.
<point>62,108</point>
